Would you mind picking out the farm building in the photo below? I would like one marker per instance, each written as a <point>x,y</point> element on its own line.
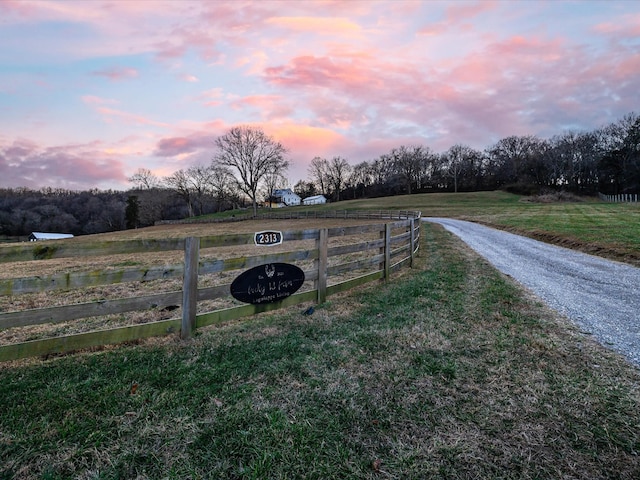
<point>286,197</point>
<point>315,200</point>
<point>38,236</point>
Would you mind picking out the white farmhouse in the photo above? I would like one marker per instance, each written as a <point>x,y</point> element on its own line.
<point>315,200</point>
<point>286,196</point>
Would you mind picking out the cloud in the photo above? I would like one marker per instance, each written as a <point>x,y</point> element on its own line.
<point>111,115</point>
<point>117,73</point>
<point>267,107</point>
<point>74,166</point>
<point>302,141</point>
<point>329,78</point>
<point>347,74</point>
<point>20,148</point>
<point>94,100</point>
<point>181,146</point>
<point>211,98</point>
<point>317,25</point>
<point>625,27</point>
<point>458,16</point>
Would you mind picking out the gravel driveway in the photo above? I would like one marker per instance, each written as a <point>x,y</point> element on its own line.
<point>601,296</point>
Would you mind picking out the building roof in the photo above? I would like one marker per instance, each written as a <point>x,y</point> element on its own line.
<point>49,236</point>
<point>283,191</point>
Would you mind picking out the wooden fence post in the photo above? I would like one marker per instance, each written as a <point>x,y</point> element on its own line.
<point>190,286</point>
<point>323,245</point>
<point>387,252</point>
<point>412,240</point>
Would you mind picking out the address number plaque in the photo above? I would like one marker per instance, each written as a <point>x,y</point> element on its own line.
<point>268,238</point>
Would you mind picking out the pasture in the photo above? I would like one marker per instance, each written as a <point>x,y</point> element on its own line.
<point>611,230</point>
<point>448,371</point>
<point>59,310</point>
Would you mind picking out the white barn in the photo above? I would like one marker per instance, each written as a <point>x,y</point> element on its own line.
<point>38,236</point>
<point>287,197</point>
<point>315,200</point>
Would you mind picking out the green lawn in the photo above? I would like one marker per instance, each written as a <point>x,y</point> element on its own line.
<point>446,372</point>
<point>608,229</point>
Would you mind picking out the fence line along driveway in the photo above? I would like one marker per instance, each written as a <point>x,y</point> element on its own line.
<point>601,296</point>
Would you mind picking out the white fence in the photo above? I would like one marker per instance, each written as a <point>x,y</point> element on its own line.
<point>620,198</point>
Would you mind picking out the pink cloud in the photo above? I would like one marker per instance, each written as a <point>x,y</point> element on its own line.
<point>627,26</point>
<point>212,97</point>
<point>176,146</point>
<point>458,16</point>
<point>318,25</point>
<point>355,77</point>
<point>129,118</point>
<point>305,138</point>
<point>302,141</point>
<point>93,100</point>
<point>75,167</point>
<point>117,73</point>
<point>189,78</point>
<point>347,74</point>
<point>463,12</point>
<point>20,148</point>
<point>267,107</point>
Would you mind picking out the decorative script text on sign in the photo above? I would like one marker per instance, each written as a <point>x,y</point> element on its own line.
<point>267,283</point>
<point>268,238</point>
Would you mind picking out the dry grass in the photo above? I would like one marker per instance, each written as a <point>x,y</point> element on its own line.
<point>75,264</point>
<point>554,197</point>
<point>166,259</point>
<point>448,372</point>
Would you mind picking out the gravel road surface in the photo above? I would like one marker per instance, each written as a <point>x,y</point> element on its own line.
<point>601,296</point>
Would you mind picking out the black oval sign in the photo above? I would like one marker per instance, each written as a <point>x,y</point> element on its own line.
<point>267,283</point>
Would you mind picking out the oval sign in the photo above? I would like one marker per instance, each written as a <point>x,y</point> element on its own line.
<point>267,283</point>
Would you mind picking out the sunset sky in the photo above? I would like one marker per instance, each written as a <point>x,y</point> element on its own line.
<point>91,91</point>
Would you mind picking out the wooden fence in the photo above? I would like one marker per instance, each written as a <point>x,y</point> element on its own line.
<point>620,198</point>
<point>340,258</point>
<point>297,214</point>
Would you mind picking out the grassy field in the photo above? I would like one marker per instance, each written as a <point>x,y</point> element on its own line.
<point>450,371</point>
<point>611,230</point>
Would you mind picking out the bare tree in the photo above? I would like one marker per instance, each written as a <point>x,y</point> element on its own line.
<point>407,162</point>
<point>273,180</point>
<point>517,159</point>
<point>222,185</point>
<point>192,185</point>
<point>619,167</point>
<point>428,165</point>
<point>319,173</point>
<point>201,179</point>
<point>573,161</point>
<point>337,175</point>
<point>179,182</point>
<point>252,155</point>
<point>361,178</point>
<point>144,179</point>
<point>457,161</point>
<point>381,171</point>
<point>305,189</point>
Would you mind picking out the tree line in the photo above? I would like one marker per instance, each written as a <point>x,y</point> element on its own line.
<point>605,160</point>
<point>248,166</point>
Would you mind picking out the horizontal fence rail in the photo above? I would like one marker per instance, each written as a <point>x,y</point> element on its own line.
<point>292,214</point>
<point>620,198</point>
<point>341,258</point>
